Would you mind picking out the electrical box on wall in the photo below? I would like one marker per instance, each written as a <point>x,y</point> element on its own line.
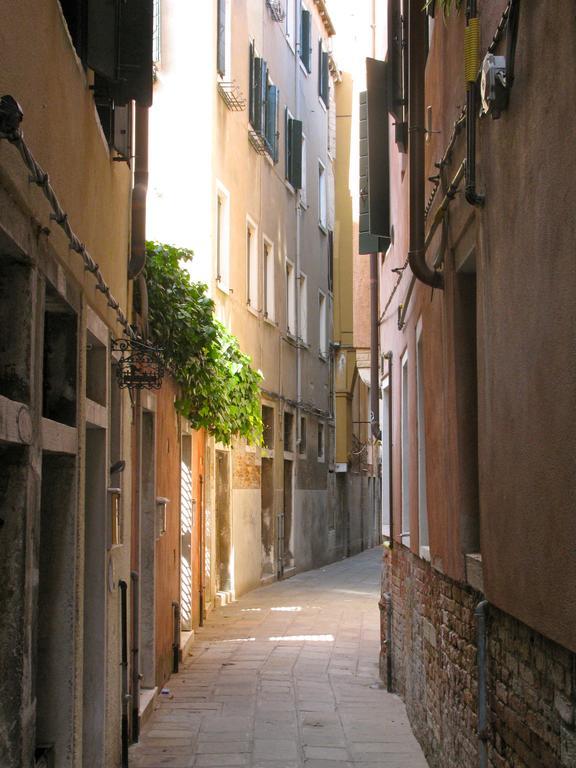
<point>493,85</point>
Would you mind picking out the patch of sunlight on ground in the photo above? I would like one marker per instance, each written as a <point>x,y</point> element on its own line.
<point>304,638</point>
<point>287,608</point>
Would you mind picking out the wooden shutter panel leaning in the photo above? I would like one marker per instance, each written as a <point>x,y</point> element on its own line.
<point>296,158</point>
<point>305,39</point>
<point>101,37</point>
<point>135,66</point>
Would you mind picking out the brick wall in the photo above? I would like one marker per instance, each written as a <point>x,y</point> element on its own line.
<point>531,680</point>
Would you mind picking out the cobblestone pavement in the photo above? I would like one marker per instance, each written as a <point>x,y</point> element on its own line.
<point>283,678</point>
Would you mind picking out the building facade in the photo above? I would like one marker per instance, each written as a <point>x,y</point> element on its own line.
<point>66,255</point>
<point>247,183</point>
<point>479,582</point>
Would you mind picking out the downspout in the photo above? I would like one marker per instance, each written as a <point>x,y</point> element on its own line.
<point>472,65</point>
<point>175,636</point>
<point>417,66</point>
<point>137,260</point>
<point>480,613</point>
<point>125,695</point>
<point>388,357</point>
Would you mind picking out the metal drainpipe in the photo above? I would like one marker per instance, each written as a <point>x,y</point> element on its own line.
<point>138,247</point>
<point>480,613</point>
<point>388,357</point>
<point>125,695</point>
<point>134,580</point>
<point>472,65</point>
<point>417,66</point>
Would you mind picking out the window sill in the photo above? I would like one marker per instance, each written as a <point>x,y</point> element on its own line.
<point>425,553</point>
<point>321,102</point>
<point>251,309</point>
<point>303,67</point>
<point>223,288</point>
<point>322,228</point>
<point>270,321</point>
<point>289,187</point>
<point>323,357</point>
<point>321,459</point>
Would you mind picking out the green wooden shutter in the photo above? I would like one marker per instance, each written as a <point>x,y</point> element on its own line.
<point>135,66</point>
<point>323,74</point>
<point>257,95</point>
<point>251,85</point>
<point>102,37</point>
<point>287,145</point>
<point>296,158</point>
<point>271,112</point>
<point>221,45</point>
<point>378,152</point>
<point>367,243</point>
<point>305,39</point>
<point>263,95</point>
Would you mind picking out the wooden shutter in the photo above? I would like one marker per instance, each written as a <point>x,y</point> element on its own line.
<point>296,157</point>
<point>263,95</point>
<point>221,44</point>
<point>135,66</point>
<point>323,74</point>
<point>271,117</point>
<point>257,94</point>
<point>305,39</point>
<point>101,37</point>
<point>367,243</point>
<point>287,144</point>
<point>378,152</point>
<point>251,77</point>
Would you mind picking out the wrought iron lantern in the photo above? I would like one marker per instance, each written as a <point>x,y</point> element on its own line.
<point>140,365</point>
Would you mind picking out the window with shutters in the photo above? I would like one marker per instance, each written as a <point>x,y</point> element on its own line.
<point>303,307</point>
<point>268,280</point>
<point>322,204</point>
<point>252,266</point>
<point>320,446</point>
<point>223,39</point>
<point>222,237</point>
<point>323,336</point>
<point>290,298</point>
<point>293,150</point>
<point>305,39</point>
<point>323,75</point>
<point>263,100</point>
<point>303,188</point>
<point>290,21</point>
<point>114,39</point>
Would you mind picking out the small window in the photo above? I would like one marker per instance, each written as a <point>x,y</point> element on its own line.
<point>251,266</point>
<point>306,38</point>
<point>302,443</point>
<point>405,435</point>
<point>303,307</point>
<point>222,237</point>
<point>321,195</point>
<point>268,275</point>
<point>290,299</point>
<point>323,345</point>
<point>323,74</point>
<point>293,150</point>
<point>291,23</point>
<point>268,426</point>
<point>288,431</point>
<point>321,446</point>
<point>223,39</point>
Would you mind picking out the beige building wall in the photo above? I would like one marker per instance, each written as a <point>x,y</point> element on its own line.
<point>48,467</point>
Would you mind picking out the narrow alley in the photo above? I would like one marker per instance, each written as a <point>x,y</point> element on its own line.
<point>286,677</point>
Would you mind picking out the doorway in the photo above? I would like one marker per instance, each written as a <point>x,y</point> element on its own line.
<point>285,529</point>
<point>187,503</point>
<point>267,517</point>
<point>223,527</point>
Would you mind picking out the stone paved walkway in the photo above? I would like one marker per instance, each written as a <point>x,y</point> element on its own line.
<point>284,678</point>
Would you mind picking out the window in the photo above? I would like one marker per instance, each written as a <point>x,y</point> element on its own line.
<point>290,299</point>
<point>405,436</point>
<point>386,449</point>
<point>263,105</point>
<point>223,39</point>
<point>288,431</point>
<point>222,237</point>
<point>320,445</point>
<point>303,307</point>
<point>293,150</point>
<point>302,443</point>
<point>156,39</point>
<point>268,427</point>
<point>323,74</point>
<point>422,504</point>
<point>306,38</point>
<point>251,266</point>
<point>321,195</point>
<point>322,321</point>
<point>331,261</point>
<point>303,180</point>
<point>291,23</point>
<point>268,275</point>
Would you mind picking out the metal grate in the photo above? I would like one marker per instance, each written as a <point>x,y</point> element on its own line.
<point>232,96</point>
<point>258,142</point>
<point>276,9</point>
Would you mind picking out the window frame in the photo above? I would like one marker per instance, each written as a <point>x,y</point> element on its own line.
<point>423,522</point>
<point>322,325</point>
<point>321,442</point>
<point>303,308</point>
<point>405,447</point>
<point>322,198</point>
<point>252,266</point>
<point>268,280</point>
<point>290,275</point>
<point>222,244</point>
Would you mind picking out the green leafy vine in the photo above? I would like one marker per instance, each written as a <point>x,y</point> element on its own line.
<point>220,390</point>
<point>446,5</point>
